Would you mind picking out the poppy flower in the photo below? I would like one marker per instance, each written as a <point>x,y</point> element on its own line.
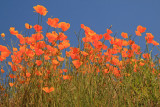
<point>38,73</point>
<point>2,71</point>
<point>77,63</point>
<point>149,37</point>
<point>39,51</point>
<point>124,35</point>
<point>155,42</point>
<point>38,62</point>
<point>11,84</point>
<point>109,31</point>
<point>141,29</point>
<point>52,36</point>
<point>53,22</point>
<point>60,58</point>
<point>15,49</point>
<point>55,62</point>
<point>84,53</point>
<point>64,26</point>
<point>40,9</point>
<point>138,33</point>
<point>28,26</point>
<point>48,90</point>
<point>66,77</point>
<point>12,76</point>
<point>46,57</point>
<point>37,36</point>
<point>106,71</point>
<point>12,31</point>
<point>107,36</point>
<point>28,74</point>
<point>146,55</point>
<point>38,28</point>
<point>2,35</point>
<point>65,70</point>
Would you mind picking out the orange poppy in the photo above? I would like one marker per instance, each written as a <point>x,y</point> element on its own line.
<point>124,35</point>
<point>12,31</point>
<point>28,26</point>
<point>109,31</point>
<point>46,57</point>
<point>38,73</point>
<point>2,71</point>
<point>60,58</point>
<point>62,36</point>
<point>141,29</point>
<point>12,76</point>
<point>38,28</point>
<point>149,37</point>
<point>40,9</point>
<point>77,63</point>
<point>106,71</point>
<point>55,62</point>
<point>11,84</point>
<point>28,74</point>
<point>53,22</point>
<point>38,62</point>
<point>155,42</point>
<point>84,53</point>
<point>107,36</point>
<point>65,70</point>
<point>146,55</point>
<point>48,90</point>
<point>141,63</point>
<point>39,51</point>
<point>37,36</point>
<point>64,26</point>
<point>52,36</point>
<point>138,33</point>
<point>66,77</point>
<point>21,38</point>
<point>2,35</point>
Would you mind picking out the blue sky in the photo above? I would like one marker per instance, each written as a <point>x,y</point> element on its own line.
<point>123,15</point>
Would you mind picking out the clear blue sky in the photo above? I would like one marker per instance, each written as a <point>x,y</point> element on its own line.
<point>123,15</point>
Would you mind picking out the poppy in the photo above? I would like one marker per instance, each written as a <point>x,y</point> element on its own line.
<point>149,37</point>
<point>64,26</point>
<point>124,35</point>
<point>12,31</point>
<point>28,74</point>
<point>53,22</point>
<point>60,58</point>
<point>138,33</point>
<point>55,62</point>
<point>2,71</point>
<point>12,76</point>
<point>77,63</point>
<point>155,42</point>
<point>52,36</point>
<point>38,28</point>
<point>65,70</point>
<point>11,84</point>
<point>28,26</point>
<point>141,29</point>
<point>2,35</point>
<point>38,62</point>
<point>40,9</point>
<point>66,77</point>
<point>37,36</point>
<point>48,90</point>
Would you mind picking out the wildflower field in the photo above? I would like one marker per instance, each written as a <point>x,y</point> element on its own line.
<point>43,70</point>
